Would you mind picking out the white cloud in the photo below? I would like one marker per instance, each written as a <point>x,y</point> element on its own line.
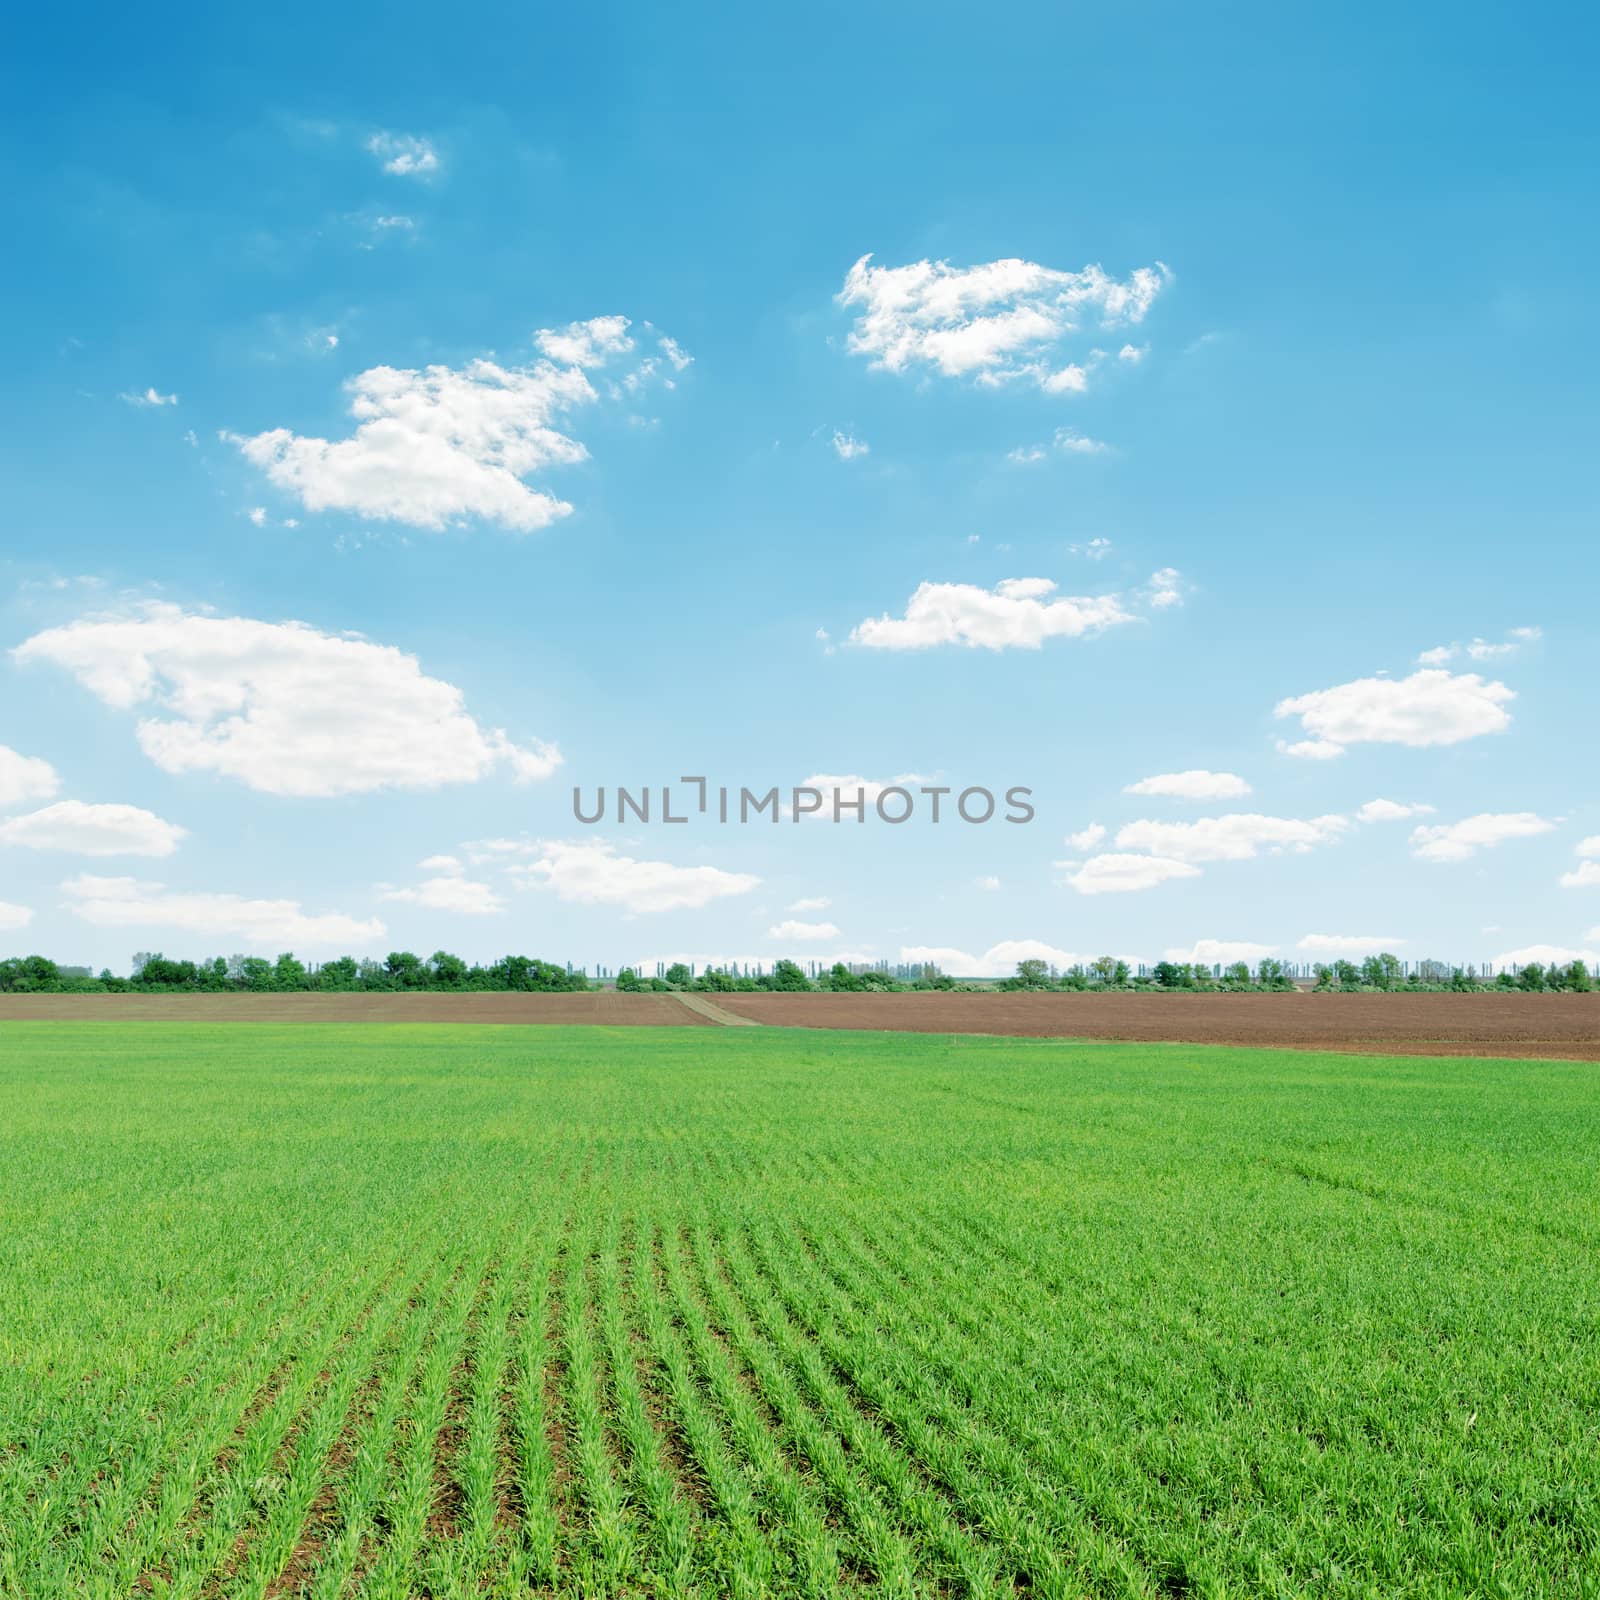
<point>1311,749</point>
<point>1002,321</point>
<point>1237,836</point>
<point>1347,944</point>
<point>281,707</point>
<point>988,883</point>
<point>1430,707</point>
<point>449,891</point>
<point>441,864</point>
<point>1194,784</point>
<point>1124,874</point>
<point>1134,353</point>
<point>1016,613</point>
<point>1164,589</point>
<point>1588,847</point>
<point>1481,649</point>
<point>847,447</point>
<point>276,924</point>
<point>1087,838</point>
<point>674,352</point>
<point>585,344</point>
<point>14,917</point>
<point>1390,811</point>
<point>1074,443</point>
<point>1549,954</point>
<point>1586,875</point>
<point>1094,550</point>
<point>430,447</point>
<point>93,830</point>
<point>149,397</point>
<point>1456,841</point>
<point>1022,456</point>
<point>848,787</point>
<point>433,446</point>
<point>998,961</point>
<point>1219,952</point>
<point>24,779</point>
<point>818,902</point>
<point>258,515</point>
<point>405,155</point>
<point>591,872</point>
<point>807,932</point>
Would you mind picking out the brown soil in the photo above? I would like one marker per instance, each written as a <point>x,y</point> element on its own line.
<point>607,1007</point>
<point>1534,1025</point>
<point>1552,1025</point>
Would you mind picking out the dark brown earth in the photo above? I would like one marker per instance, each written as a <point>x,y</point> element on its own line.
<point>1534,1025</point>
<point>1556,1025</point>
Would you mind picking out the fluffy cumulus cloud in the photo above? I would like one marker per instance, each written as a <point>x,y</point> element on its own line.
<point>1120,873</point>
<point>998,961</point>
<point>1237,836</point>
<point>804,932</point>
<point>1586,875</point>
<point>448,889</point>
<point>995,323</point>
<point>1018,613</point>
<point>1390,811</point>
<point>1194,784</point>
<point>404,155</point>
<point>816,902</point>
<point>1431,707</point>
<point>1459,841</point>
<point>24,779</point>
<point>13,918</point>
<point>82,829</point>
<point>1219,952</point>
<point>1087,838</point>
<point>1347,944</point>
<point>281,707</point>
<point>847,447</point>
<point>1552,955</point>
<point>592,872</point>
<point>147,399</point>
<point>275,924</point>
<point>436,445</point>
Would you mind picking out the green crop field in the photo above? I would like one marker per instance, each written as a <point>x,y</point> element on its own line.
<point>400,1311</point>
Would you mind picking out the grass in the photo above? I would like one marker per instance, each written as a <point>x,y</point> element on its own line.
<point>402,1311</point>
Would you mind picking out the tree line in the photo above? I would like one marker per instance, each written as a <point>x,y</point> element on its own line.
<point>400,970</point>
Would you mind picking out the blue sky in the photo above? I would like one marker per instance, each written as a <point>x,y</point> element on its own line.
<point>1297,316</point>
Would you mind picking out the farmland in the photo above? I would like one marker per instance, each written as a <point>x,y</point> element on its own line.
<point>394,1309</point>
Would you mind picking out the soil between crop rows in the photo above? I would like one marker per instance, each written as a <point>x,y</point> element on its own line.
<point>1556,1026</point>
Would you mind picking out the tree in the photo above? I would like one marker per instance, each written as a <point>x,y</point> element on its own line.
<point>1168,974</point>
<point>1531,977</point>
<point>679,976</point>
<point>289,973</point>
<point>1381,971</point>
<point>1575,976</point>
<point>1273,974</point>
<point>628,981</point>
<point>1033,973</point>
<point>405,970</point>
<point>1236,976</point>
<point>447,971</point>
<point>1120,973</point>
<point>786,975</point>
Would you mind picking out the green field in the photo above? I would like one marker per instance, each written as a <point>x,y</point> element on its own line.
<point>460,1311</point>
